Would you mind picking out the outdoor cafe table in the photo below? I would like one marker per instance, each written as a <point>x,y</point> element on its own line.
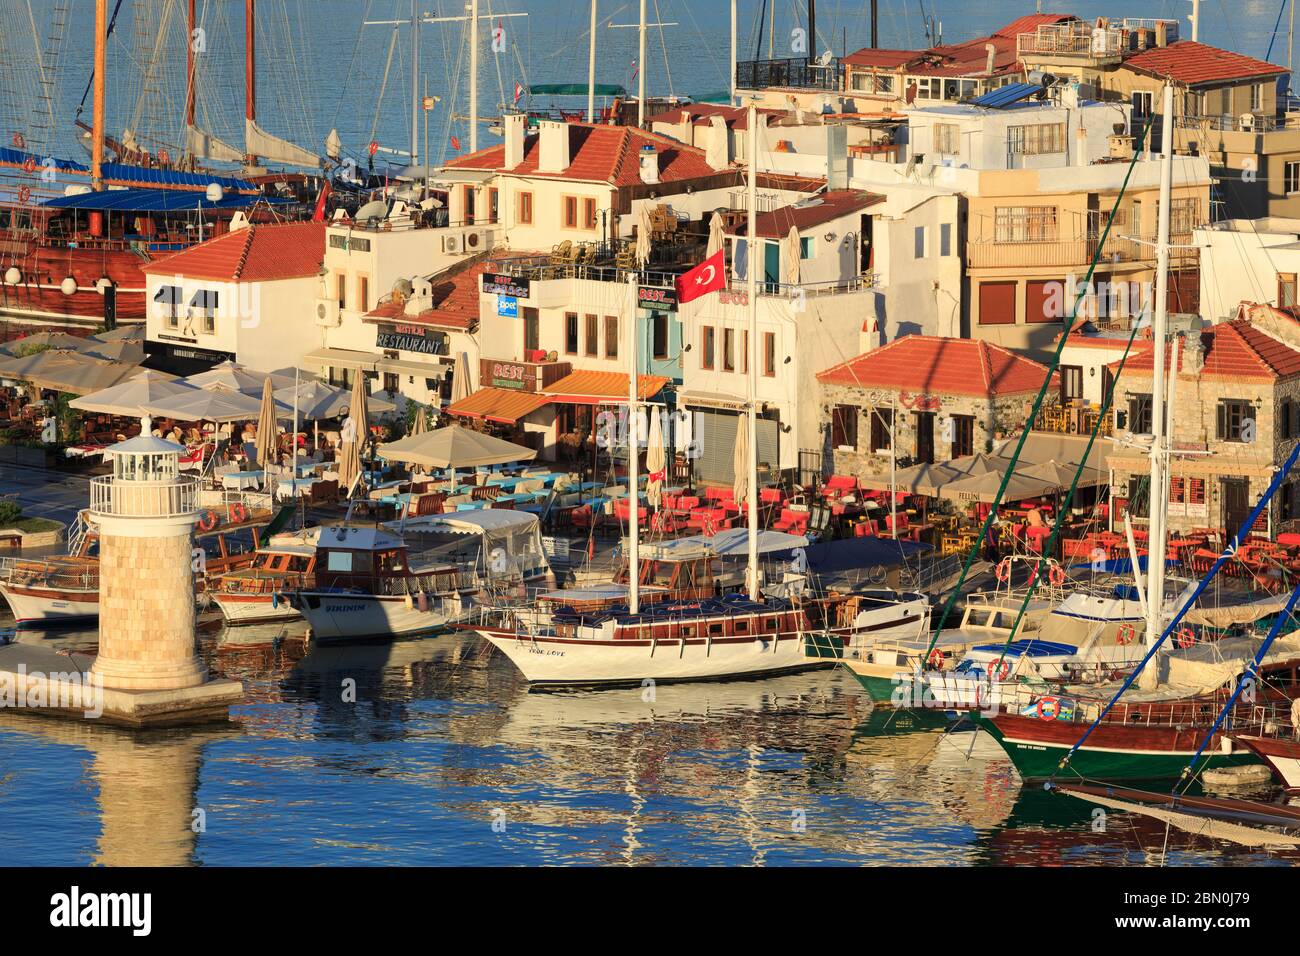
<point>241,480</point>
<point>295,488</point>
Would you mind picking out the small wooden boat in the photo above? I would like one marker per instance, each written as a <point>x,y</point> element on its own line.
<point>258,594</point>
<point>1279,747</point>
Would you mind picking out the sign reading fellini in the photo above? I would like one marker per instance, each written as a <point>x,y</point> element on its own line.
<point>656,300</point>
<point>511,286</point>
<point>411,338</point>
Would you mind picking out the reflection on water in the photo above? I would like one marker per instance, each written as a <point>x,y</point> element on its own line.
<point>431,750</point>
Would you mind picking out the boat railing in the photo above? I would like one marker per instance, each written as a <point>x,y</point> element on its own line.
<point>28,572</point>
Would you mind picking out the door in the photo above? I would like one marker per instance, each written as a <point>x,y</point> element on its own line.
<point>1235,494</point>
<point>924,437</point>
<point>772,264</point>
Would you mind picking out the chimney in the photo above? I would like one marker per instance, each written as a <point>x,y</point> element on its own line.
<point>1193,353</point>
<point>516,125</point>
<point>649,157</point>
<point>991,52</point>
<point>1162,33</point>
<point>554,147</point>
<point>717,152</point>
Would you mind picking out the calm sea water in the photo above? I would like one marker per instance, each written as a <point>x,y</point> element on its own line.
<point>444,758</point>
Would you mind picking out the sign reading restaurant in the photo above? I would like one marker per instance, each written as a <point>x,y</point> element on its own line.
<point>511,375</point>
<point>411,338</point>
<point>656,300</point>
<point>511,286</point>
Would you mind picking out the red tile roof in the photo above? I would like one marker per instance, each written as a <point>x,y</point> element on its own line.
<point>455,303</point>
<point>1234,350</point>
<point>701,114</point>
<point>822,209</point>
<point>256,253</point>
<point>1194,63</point>
<point>967,58</point>
<point>937,365</point>
<point>599,154</point>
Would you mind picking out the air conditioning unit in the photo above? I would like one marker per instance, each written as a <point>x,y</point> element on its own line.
<point>327,313</point>
<point>475,241</point>
<point>453,243</point>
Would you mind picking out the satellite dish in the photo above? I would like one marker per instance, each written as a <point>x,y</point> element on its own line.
<point>214,192</point>
<point>404,287</point>
<point>378,209</point>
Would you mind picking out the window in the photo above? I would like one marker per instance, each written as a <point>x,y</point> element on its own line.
<point>494,203</point>
<point>963,435</point>
<point>769,354</point>
<point>882,429</point>
<point>1036,140</point>
<point>945,239</point>
<point>659,335</point>
<point>532,330</point>
<point>1292,176</point>
<point>1233,417</point>
<point>1256,97</point>
<point>1044,300</point>
<point>593,335</point>
<point>1024,224</point>
<point>1139,414</point>
<point>363,293</point>
<point>468,194</point>
<point>997,303</point>
<point>728,350</point>
<point>806,247</point>
<point>918,242</point>
<point>1071,382</point>
<point>1184,215</point>
<point>168,298</point>
<point>1286,290</point>
<point>341,289</point>
<point>570,333</point>
<point>205,301</point>
<point>947,139</point>
<point>844,426</point>
<point>524,208</point>
<point>708,338</point>
<point>1285,418</point>
<point>611,336</point>
<point>884,83</point>
<point>570,206</point>
<point>589,214</point>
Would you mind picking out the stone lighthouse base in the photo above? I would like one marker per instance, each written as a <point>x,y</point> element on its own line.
<point>39,680</point>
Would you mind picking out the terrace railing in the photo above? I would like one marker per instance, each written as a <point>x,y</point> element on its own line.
<point>798,73</point>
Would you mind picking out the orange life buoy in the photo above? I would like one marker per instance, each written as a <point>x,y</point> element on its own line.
<point>1127,632</point>
<point>238,512</point>
<point>1003,571</point>
<point>998,670</point>
<point>1056,575</point>
<point>936,659</point>
<point>1049,708</point>
<point>209,520</point>
<point>1185,637</point>
<point>19,141</point>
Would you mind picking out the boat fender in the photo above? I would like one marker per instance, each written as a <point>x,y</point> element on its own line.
<point>422,601</point>
<point>1049,708</point>
<point>275,599</point>
<point>1127,633</point>
<point>1185,638</point>
<point>1003,572</point>
<point>208,521</point>
<point>410,601</point>
<point>238,512</point>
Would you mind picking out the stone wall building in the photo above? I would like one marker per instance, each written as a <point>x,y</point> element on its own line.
<point>935,398</point>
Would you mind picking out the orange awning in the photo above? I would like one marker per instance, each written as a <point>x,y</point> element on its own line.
<point>502,405</point>
<point>602,388</point>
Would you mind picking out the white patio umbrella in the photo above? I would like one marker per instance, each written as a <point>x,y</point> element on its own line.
<point>792,252</point>
<point>455,445</point>
<point>199,405</point>
<point>419,427</point>
<point>740,462</point>
<point>234,377</point>
<point>643,230</point>
<point>43,340</point>
<point>128,397</point>
<point>655,461</point>
<point>317,400</point>
<point>266,434</point>
<point>67,371</point>
<point>121,350</point>
<point>715,235</point>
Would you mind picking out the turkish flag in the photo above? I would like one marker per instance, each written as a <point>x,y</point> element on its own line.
<point>708,276</point>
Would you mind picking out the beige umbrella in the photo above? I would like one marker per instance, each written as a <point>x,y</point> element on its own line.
<point>793,250</point>
<point>354,434</point>
<point>44,340</point>
<point>66,371</point>
<point>130,396</point>
<point>655,461</point>
<point>121,350</point>
<point>266,435</point>
<point>740,462</point>
<point>715,235</point>
<point>643,230</point>
<point>461,386</point>
<point>455,446</point>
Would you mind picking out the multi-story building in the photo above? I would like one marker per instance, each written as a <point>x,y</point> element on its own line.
<point>1248,260</point>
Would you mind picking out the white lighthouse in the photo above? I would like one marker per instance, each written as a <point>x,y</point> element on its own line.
<point>146,512</point>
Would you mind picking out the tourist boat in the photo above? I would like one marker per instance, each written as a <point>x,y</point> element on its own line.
<point>364,586</point>
<point>257,594</point>
<point>65,588</point>
<point>1279,747</point>
<point>502,547</point>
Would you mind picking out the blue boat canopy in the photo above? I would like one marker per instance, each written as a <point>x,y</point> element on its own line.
<point>854,554</point>
<point>123,172</point>
<point>1030,647</point>
<point>154,200</point>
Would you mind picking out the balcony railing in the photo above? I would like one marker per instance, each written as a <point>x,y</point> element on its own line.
<point>1072,39</point>
<point>144,499</point>
<point>1228,123</point>
<point>994,254</point>
<point>801,73</point>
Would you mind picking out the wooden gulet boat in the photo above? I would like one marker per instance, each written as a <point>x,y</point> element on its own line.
<point>258,594</point>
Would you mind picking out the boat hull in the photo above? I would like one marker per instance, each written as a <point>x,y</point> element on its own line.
<point>38,607</point>
<point>1036,748</point>
<point>342,617</point>
<point>547,661</point>
<point>254,608</point>
<point>1283,756</point>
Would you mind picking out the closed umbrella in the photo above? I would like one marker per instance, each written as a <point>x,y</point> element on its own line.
<point>354,435</point>
<point>715,235</point>
<point>266,436</point>
<point>419,427</point>
<point>655,461</point>
<point>793,250</point>
<point>461,387</point>
<point>643,230</point>
<point>740,462</point>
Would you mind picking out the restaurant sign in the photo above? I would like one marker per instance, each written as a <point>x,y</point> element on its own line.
<point>411,338</point>
<point>655,299</point>
<point>510,375</point>
<point>513,286</point>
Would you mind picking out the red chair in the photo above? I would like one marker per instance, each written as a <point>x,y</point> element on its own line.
<point>771,496</point>
<point>866,529</point>
<point>840,485</point>
<point>792,522</point>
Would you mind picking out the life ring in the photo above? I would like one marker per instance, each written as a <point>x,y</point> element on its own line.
<point>1126,634</point>
<point>24,193</point>
<point>1000,671</point>
<point>29,165</point>
<point>1049,708</point>
<point>1056,575</point>
<point>209,520</point>
<point>1185,637</point>
<point>238,512</point>
<point>1003,571</point>
<point>19,141</point>
<point>936,659</point>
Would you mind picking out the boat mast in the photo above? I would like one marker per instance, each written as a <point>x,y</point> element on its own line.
<point>633,492</point>
<point>250,72</point>
<point>591,69</point>
<point>97,134</point>
<point>733,52</point>
<point>1156,494</point>
<point>640,70</point>
<point>189,67</point>
<point>473,76</point>
<point>751,572</point>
